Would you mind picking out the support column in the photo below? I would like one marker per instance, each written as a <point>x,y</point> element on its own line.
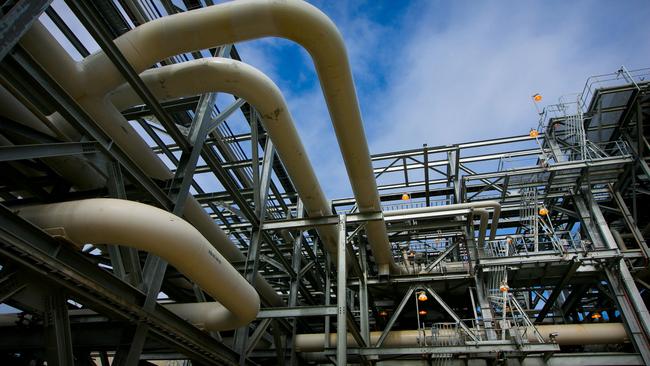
<point>295,282</point>
<point>454,173</point>
<point>262,180</point>
<point>425,159</point>
<point>363,294</point>
<point>341,285</point>
<point>328,298</point>
<point>633,310</point>
<point>154,266</point>
<point>57,328</point>
<point>486,309</point>
<point>125,261</point>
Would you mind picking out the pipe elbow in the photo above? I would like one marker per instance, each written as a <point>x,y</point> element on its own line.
<point>208,75</point>
<point>147,228</point>
<point>221,24</point>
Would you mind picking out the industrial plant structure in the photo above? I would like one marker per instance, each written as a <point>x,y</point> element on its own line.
<point>526,249</point>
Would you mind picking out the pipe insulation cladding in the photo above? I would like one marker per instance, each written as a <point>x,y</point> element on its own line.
<point>567,334</point>
<point>147,228</point>
<point>225,75</point>
<point>114,124</point>
<point>224,24</point>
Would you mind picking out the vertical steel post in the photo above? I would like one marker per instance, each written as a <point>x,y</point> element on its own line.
<point>57,328</point>
<point>155,267</point>
<point>486,309</point>
<point>427,194</point>
<point>295,282</point>
<point>341,285</point>
<point>17,21</point>
<point>629,301</point>
<point>125,261</point>
<point>328,296</point>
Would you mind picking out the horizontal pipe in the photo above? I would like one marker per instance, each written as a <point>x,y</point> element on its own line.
<point>147,228</point>
<point>494,205</point>
<point>567,334</point>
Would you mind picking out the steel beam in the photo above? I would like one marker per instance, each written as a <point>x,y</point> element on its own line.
<point>221,117</point>
<point>442,256</point>
<point>39,151</point>
<point>296,262</point>
<point>561,286</point>
<point>301,311</point>
<point>257,335</point>
<point>320,221</point>
<point>630,221</point>
<point>95,24</point>
<point>10,284</point>
<point>75,115</point>
<point>17,21</point>
<point>57,326</point>
<point>364,323</point>
<point>629,301</point>
<point>155,267</point>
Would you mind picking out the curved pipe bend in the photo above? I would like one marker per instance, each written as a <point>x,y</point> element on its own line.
<point>475,206</point>
<point>240,21</point>
<point>72,77</point>
<point>234,77</point>
<point>147,228</point>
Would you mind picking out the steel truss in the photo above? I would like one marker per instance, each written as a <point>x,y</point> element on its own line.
<point>589,255</point>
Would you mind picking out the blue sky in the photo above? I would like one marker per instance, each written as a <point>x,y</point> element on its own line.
<point>444,72</point>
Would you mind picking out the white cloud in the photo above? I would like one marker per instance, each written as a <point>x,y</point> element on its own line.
<point>442,73</point>
<point>473,79</point>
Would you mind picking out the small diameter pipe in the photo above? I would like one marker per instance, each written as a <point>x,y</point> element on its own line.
<point>494,205</point>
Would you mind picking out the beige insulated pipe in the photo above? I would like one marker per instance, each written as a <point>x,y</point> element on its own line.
<point>494,205</point>
<point>124,135</point>
<point>567,334</point>
<point>239,21</point>
<point>147,228</point>
<point>237,78</point>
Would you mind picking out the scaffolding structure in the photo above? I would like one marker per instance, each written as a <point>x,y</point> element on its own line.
<point>498,240</point>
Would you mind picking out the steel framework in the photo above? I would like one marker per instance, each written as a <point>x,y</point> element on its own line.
<point>567,248</point>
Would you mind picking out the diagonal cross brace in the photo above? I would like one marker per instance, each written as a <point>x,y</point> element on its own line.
<point>452,313</point>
